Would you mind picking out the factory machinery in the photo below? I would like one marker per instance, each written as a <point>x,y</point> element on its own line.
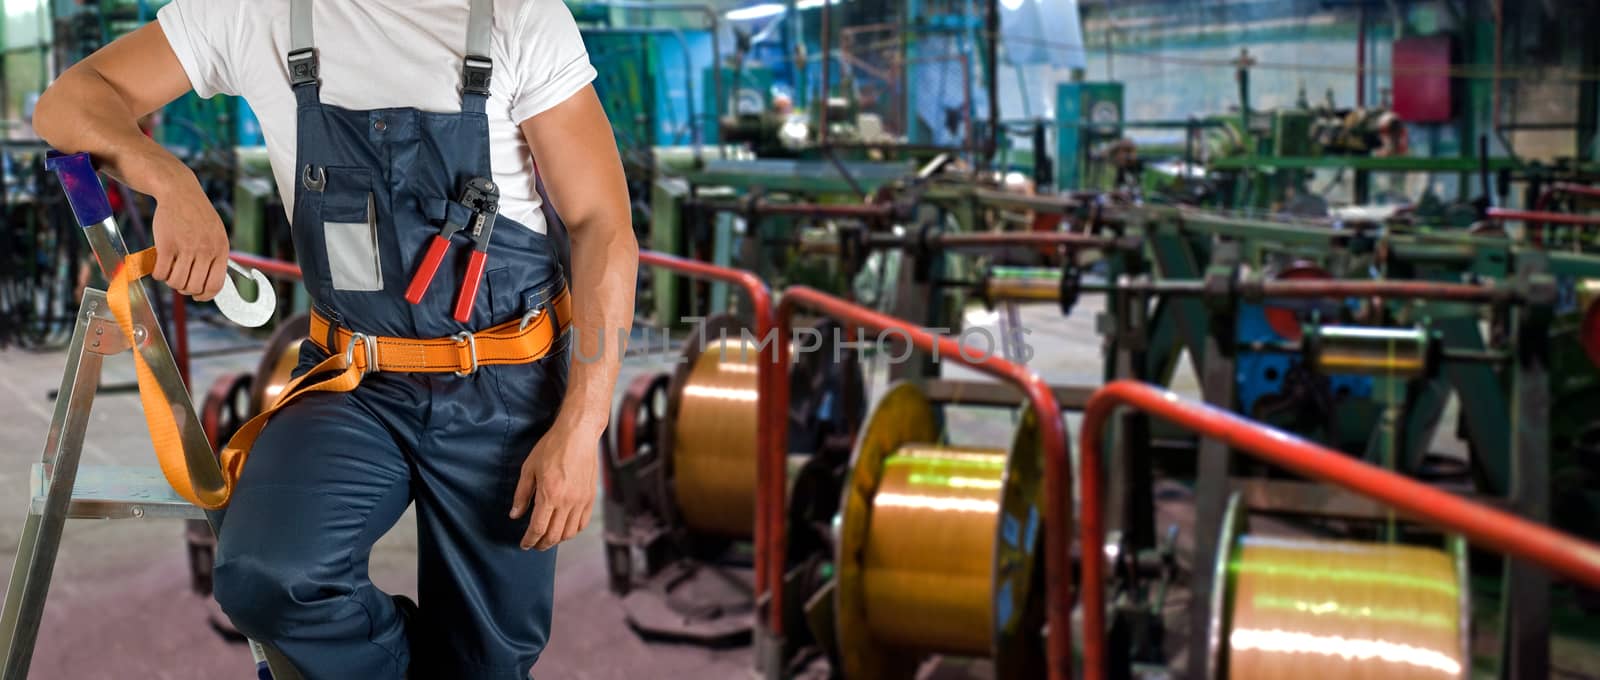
<point>752,496</point>
<point>1352,337</point>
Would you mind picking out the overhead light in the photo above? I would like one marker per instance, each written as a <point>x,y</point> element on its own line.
<point>753,12</point>
<point>812,4</point>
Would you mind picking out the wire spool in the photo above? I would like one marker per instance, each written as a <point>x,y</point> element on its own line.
<point>1311,608</point>
<point>1589,328</point>
<point>938,547</point>
<point>639,421</point>
<point>278,361</point>
<point>225,409</point>
<point>627,464</point>
<point>711,442</point>
<point>1369,350</point>
<point>1021,285</point>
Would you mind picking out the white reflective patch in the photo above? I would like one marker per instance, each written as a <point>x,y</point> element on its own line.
<point>353,253</point>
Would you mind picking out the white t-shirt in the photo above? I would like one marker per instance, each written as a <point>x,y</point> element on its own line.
<point>381,54</point>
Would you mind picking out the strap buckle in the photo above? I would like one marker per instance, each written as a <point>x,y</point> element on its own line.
<point>531,316</point>
<point>475,72</point>
<point>371,343</point>
<point>304,67</point>
<point>471,342</point>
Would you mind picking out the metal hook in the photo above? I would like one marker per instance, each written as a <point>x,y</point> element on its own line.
<point>252,314</point>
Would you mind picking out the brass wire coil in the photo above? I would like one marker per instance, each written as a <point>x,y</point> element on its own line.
<point>928,565</point>
<point>280,374</point>
<point>938,547</point>
<point>1309,608</point>
<point>278,361</point>
<point>714,440</point>
<point>1400,352</point>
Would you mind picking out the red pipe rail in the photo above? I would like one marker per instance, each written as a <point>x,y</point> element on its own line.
<point>277,269</point>
<point>1020,238</point>
<point>1583,190</point>
<point>863,211</point>
<point>1338,288</point>
<point>769,507</point>
<point>1538,219</point>
<point>1489,527</point>
<point>1580,190</point>
<point>1057,469</point>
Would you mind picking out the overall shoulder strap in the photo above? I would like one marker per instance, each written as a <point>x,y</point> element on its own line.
<point>304,71</point>
<point>477,67</point>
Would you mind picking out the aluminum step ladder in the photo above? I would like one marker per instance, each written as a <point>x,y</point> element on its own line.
<point>61,487</point>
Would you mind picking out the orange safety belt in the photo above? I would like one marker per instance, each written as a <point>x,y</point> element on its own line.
<point>515,342</point>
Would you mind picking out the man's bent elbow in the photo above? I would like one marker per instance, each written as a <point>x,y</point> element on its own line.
<point>50,112</point>
<point>59,107</point>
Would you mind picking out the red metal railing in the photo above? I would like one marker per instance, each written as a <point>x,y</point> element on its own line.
<point>1489,527</point>
<point>277,269</point>
<point>769,507</point>
<point>1537,219</point>
<point>1549,194</point>
<point>978,240</point>
<point>1057,470</point>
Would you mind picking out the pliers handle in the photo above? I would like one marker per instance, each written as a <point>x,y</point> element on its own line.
<point>483,198</point>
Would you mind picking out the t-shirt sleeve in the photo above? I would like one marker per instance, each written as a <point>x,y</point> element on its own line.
<point>554,63</point>
<point>201,33</point>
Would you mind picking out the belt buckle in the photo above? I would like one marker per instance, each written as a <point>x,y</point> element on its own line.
<point>471,342</point>
<point>531,316</point>
<point>371,343</point>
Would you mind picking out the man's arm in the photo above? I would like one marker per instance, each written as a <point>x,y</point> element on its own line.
<point>582,173</point>
<point>95,106</point>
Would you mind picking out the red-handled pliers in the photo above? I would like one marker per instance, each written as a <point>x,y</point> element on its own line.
<point>483,198</point>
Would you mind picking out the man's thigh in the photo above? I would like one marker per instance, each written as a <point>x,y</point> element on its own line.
<point>324,481</point>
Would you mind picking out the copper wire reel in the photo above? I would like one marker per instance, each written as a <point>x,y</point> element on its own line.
<point>938,547</point>
<point>1315,608</point>
<point>278,362</point>
<point>712,419</point>
<point>1589,326</point>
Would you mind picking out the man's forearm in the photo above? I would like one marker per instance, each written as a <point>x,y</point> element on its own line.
<point>81,112</point>
<point>605,261</point>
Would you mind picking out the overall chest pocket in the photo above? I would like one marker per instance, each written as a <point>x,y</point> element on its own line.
<point>350,230</point>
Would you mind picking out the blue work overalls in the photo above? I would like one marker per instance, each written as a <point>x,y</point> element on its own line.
<point>332,472</point>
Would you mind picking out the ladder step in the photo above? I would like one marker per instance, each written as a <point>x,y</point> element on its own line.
<point>116,492</point>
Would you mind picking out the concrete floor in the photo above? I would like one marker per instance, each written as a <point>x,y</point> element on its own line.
<point>121,606</point>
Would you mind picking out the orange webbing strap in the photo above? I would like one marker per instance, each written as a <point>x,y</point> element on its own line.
<point>514,342</point>
<point>158,415</point>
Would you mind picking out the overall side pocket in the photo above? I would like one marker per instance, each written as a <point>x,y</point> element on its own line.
<point>350,231</point>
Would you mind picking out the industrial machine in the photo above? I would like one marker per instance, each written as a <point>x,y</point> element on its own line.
<point>681,477</point>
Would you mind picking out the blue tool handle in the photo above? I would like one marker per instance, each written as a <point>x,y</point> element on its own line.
<point>82,184</point>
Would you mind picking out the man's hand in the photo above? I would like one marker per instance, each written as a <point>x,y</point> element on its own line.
<point>95,106</point>
<point>191,243</point>
<point>559,477</point>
